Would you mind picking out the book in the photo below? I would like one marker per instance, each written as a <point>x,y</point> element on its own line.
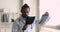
<point>30,20</point>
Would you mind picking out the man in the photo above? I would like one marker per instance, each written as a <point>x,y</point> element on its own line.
<point>20,24</point>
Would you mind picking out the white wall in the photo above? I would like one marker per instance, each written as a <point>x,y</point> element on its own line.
<point>53,7</point>
<point>10,5</point>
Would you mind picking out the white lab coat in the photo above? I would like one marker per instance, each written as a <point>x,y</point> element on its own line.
<point>19,23</point>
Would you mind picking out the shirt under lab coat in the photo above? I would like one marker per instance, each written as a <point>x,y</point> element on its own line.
<point>20,22</point>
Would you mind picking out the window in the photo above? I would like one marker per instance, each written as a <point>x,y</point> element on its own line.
<point>53,7</point>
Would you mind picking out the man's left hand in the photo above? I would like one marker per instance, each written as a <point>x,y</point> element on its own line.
<point>46,14</point>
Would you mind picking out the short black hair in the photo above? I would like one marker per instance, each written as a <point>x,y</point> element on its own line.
<point>24,6</point>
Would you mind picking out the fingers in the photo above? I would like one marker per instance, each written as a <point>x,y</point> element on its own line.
<point>46,14</point>
<point>24,27</point>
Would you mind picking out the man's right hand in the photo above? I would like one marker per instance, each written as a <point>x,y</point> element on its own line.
<point>25,27</point>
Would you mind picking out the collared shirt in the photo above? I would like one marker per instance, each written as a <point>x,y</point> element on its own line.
<point>19,23</point>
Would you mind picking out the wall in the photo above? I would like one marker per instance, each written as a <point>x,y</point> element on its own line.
<point>10,5</point>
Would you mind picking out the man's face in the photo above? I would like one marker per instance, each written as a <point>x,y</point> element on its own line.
<point>25,11</point>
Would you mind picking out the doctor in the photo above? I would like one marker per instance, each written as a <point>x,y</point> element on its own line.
<point>19,24</point>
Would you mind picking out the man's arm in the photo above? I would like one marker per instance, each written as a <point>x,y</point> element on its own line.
<point>15,27</point>
<point>44,19</point>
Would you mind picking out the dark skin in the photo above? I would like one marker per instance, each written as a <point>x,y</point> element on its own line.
<point>25,13</point>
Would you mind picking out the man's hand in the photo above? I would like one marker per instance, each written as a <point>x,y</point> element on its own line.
<point>46,14</point>
<point>25,27</point>
<point>44,18</point>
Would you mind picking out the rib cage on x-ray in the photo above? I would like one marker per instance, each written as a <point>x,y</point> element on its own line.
<point>5,18</point>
